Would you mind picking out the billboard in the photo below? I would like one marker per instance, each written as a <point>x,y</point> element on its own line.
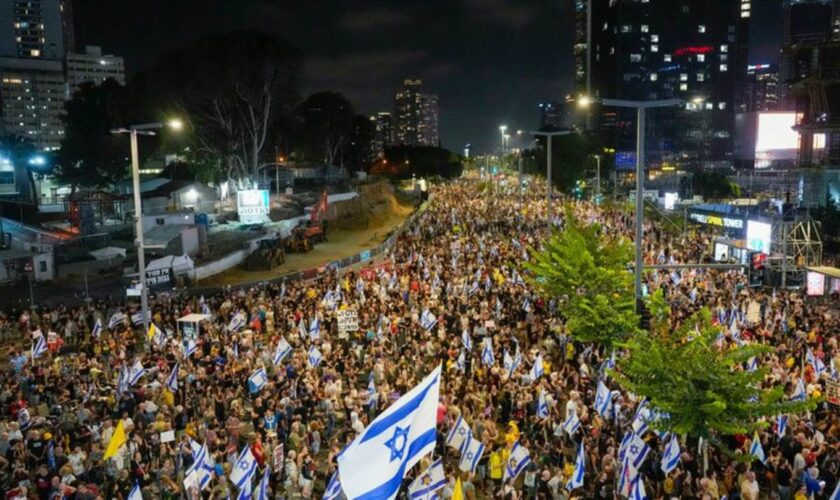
<point>252,205</point>
<point>759,236</point>
<point>816,284</point>
<point>776,140</point>
<point>671,200</point>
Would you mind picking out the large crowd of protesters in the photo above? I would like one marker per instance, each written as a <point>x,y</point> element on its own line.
<point>460,260</point>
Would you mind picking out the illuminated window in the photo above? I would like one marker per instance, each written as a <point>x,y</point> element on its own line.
<point>635,58</point>
<point>724,48</point>
<point>683,86</point>
<point>721,105</point>
<point>654,48</point>
<point>709,105</point>
<point>701,77</point>
<point>654,38</point>
<point>745,13</point>
<point>724,67</point>
<point>683,77</point>
<point>654,77</point>
<point>35,53</point>
<point>645,28</point>
<point>667,58</point>
<point>819,141</point>
<point>626,28</point>
<point>701,57</point>
<point>701,28</point>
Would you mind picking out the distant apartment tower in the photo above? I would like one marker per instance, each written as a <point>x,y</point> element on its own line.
<point>382,133</point>
<point>762,87</point>
<point>35,36</point>
<point>94,67</point>
<point>551,114</point>
<point>806,22</point>
<point>416,115</point>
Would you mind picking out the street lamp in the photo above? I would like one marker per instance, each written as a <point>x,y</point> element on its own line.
<point>503,129</point>
<point>640,107</point>
<point>549,136</point>
<point>134,131</point>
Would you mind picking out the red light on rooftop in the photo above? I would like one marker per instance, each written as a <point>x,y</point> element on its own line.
<point>700,49</point>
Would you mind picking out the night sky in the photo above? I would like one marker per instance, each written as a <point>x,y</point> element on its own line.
<point>490,61</point>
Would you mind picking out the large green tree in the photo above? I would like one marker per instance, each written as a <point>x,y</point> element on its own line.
<point>90,155</point>
<point>325,130</point>
<point>569,159</point>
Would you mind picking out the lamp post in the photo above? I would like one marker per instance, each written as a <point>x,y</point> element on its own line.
<point>503,129</point>
<point>640,107</point>
<point>549,136</point>
<point>597,176</point>
<point>134,131</point>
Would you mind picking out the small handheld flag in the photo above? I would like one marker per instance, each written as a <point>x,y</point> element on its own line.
<point>315,357</point>
<point>576,481</point>
<point>257,380</point>
<point>671,457</point>
<point>97,329</point>
<point>517,461</point>
<point>756,449</point>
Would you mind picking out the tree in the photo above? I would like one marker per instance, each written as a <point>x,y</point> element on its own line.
<point>714,185</point>
<point>587,272</point>
<point>90,155</point>
<point>326,127</point>
<point>569,157</point>
<point>421,161</point>
<point>232,89</point>
<point>702,388</point>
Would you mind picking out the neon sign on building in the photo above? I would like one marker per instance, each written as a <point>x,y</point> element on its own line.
<point>700,49</point>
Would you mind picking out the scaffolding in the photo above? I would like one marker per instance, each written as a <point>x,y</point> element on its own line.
<point>798,240</point>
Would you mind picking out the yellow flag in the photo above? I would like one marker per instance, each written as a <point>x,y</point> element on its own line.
<point>458,494</point>
<point>152,330</point>
<point>117,440</point>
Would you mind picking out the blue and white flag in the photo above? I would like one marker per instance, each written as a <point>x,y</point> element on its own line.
<point>466,340</point>
<point>190,348</point>
<point>302,328</point>
<point>97,329</point>
<point>572,423</point>
<point>671,457</point>
<point>371,386</point>
<point>756,449</point>
<point>471,453</point>
<point>752,364</point>
<point>237,321</point>
<point>517,461</point>
<point>203,467</point>
<point>576,481</point>
<point>243,470</point>
<point>836,494</point>
<point>262,489</point>
<point>603,400</point>
<point>135,372</point>
<point>428,320</point>
<point>427,483</point>
<point>542,405</point>
<point>257,380</point>
<point>315,357</point>
<point>333,491</point>
<point>51,456</point>
<point>315,328</point>
<point>283,349</point>
<point>509,363</point>
<point>459,434</point>
<point>374,464</point>
<point>116,319</point>
<point>816,363</point>
<point>638,492</point>
<point>172,379</point>
<point>643,416</point>
<point>475,287</point>
<point>635,451</point>
<point>204,308</point>
<point>538,369</point>
<point>526,305</point>
<point>39,347</point>
<point>487,352</point>
<point>781,426</point>
<point>135,493</point>
<point>137,318</point>
<point>461,362</point>
<point>799,393</point>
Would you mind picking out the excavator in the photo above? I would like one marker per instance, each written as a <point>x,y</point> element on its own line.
<point>305,237</point>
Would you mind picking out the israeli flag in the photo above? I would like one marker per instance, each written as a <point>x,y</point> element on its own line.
<point>817,363</point>
<point>371,386</point>
<point>135,372</point>
<point>97,329</point>
<point>836,494</point>
<point>428,320</point>
<point>333,491</point>
<point>135,493</point>
<point>466,340</point>
<point>542,406</point>
<point>526,305</point>
<point>643,416</point>
<point>752,364</point>
<point>315,357</point>
<point>459,434</point>
<point>576,481</point>
<point>262,489</point>
<point>374,464</point>
<point>572,424</point>
<point>517,461</point>
<point>461,362</point>
<point>471,453</point>
<point>538,370</point>
<point>172,379</point>
<point>638,492</point>
<point>315,328</point>
<point>671,457</point>
<point>236,322</point>
<point>257,380</point>
<point>487,352</point>
<point>137,318</point>
<point>635,451</point>
<point>474,288</point>
<point>243,470</point>
<point>603,398</point>
<point>431,480</point>
<point>190,348</point>
<point>508,363</point>
<point>116,319</point>
<point>302,328</point>
<point>283,349</point>
<point>756,449</point>
<point>799,393</point>
<point>202,469</point>
<point>781,426</point>
<point>39,347</point>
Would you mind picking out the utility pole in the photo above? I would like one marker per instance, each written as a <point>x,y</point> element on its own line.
<point>549,136</point>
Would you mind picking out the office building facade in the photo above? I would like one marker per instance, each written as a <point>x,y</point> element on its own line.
<point>93,67</point>
<point>762,87</point>
<point>415,115</point>
<point>382,133</point>
<point>692,50</point>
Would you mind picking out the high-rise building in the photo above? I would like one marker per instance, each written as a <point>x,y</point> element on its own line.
<point>806,23</point>
<point>762,87</point>
<point>382,133</point>
<point>692,50</point>
<point>93,67</point>
<point>551,114</point>
<point>416,115</point>
<point>35,29</point>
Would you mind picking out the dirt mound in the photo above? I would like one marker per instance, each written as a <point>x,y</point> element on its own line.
<point>372,209</point>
